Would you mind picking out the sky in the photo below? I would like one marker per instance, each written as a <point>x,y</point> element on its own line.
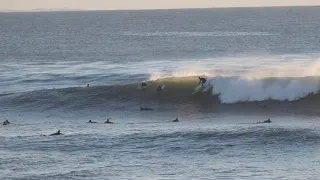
<point>27,5</point>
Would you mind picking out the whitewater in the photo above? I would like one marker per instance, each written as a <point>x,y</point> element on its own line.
<point>261,63</point>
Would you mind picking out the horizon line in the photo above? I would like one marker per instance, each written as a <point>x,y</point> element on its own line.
<point>144,9</point>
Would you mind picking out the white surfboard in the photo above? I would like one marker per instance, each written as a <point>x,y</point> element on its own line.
<point>197,89</point>
<point>201,88</point>
<point>207,88</point>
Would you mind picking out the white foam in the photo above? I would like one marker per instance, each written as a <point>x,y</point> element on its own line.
<point>239,82</point>
<point>290,81</point>
<point>239,89</point>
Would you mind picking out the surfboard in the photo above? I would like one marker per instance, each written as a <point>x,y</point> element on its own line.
<point>207,88</point>
<point>197,89</point>
<point>201,88</point>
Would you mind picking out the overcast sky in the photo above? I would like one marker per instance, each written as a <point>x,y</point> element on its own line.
<point>26,5</point>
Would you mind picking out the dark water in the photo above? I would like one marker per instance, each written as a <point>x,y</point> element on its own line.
<point>259,63</point>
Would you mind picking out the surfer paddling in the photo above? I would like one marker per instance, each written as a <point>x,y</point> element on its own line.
<point>6,122</point>
<point>266,121</point>
<point>91,121</point>
<point>175,120</point>
<point>108,122</point>
<point>146,109</point>
<point>56,134</point>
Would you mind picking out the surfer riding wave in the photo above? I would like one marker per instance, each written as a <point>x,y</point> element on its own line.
<point>202,81</point>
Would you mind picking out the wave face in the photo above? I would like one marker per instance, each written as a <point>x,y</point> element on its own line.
<point>227,93</point>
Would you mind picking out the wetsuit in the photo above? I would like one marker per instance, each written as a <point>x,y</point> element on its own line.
<point>202,81</point>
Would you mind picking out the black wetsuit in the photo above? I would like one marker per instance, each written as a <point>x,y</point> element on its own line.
<point>267,121</point>
<point>202,81</point>
<point>56,134</point>
<point>159,88</point>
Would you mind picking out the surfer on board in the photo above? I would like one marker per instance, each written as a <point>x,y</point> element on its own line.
<point>160,88</point>
<point>202,81</point>
<point>56,134</point>
<point>266,121</point>
<point>91,121</point>
<point>175,120</point>
<point>108,122</point>
<point>6,122</point>
<point>146,109</point>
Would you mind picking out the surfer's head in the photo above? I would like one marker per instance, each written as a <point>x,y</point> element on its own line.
<point>108,122</point>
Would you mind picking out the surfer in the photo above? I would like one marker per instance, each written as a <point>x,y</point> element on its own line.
<point>176,120</point>
<point>159,88</point>
<point>266,121</point>
<point>144,84</point>
<point>108,122</point>
<point>56,134</point>
<point>88,85</point>
<point>91,121</point>
<point>6,122</point>
<point>146,109</point>
<point>202,81</point>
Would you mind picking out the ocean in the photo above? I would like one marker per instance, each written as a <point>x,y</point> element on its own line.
<point>259,63</point>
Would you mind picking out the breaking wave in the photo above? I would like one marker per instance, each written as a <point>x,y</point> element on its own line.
<point>226,93</point>
<point>237,89</point>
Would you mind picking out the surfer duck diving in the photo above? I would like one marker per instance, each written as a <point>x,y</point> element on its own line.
<point>144,84</point>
